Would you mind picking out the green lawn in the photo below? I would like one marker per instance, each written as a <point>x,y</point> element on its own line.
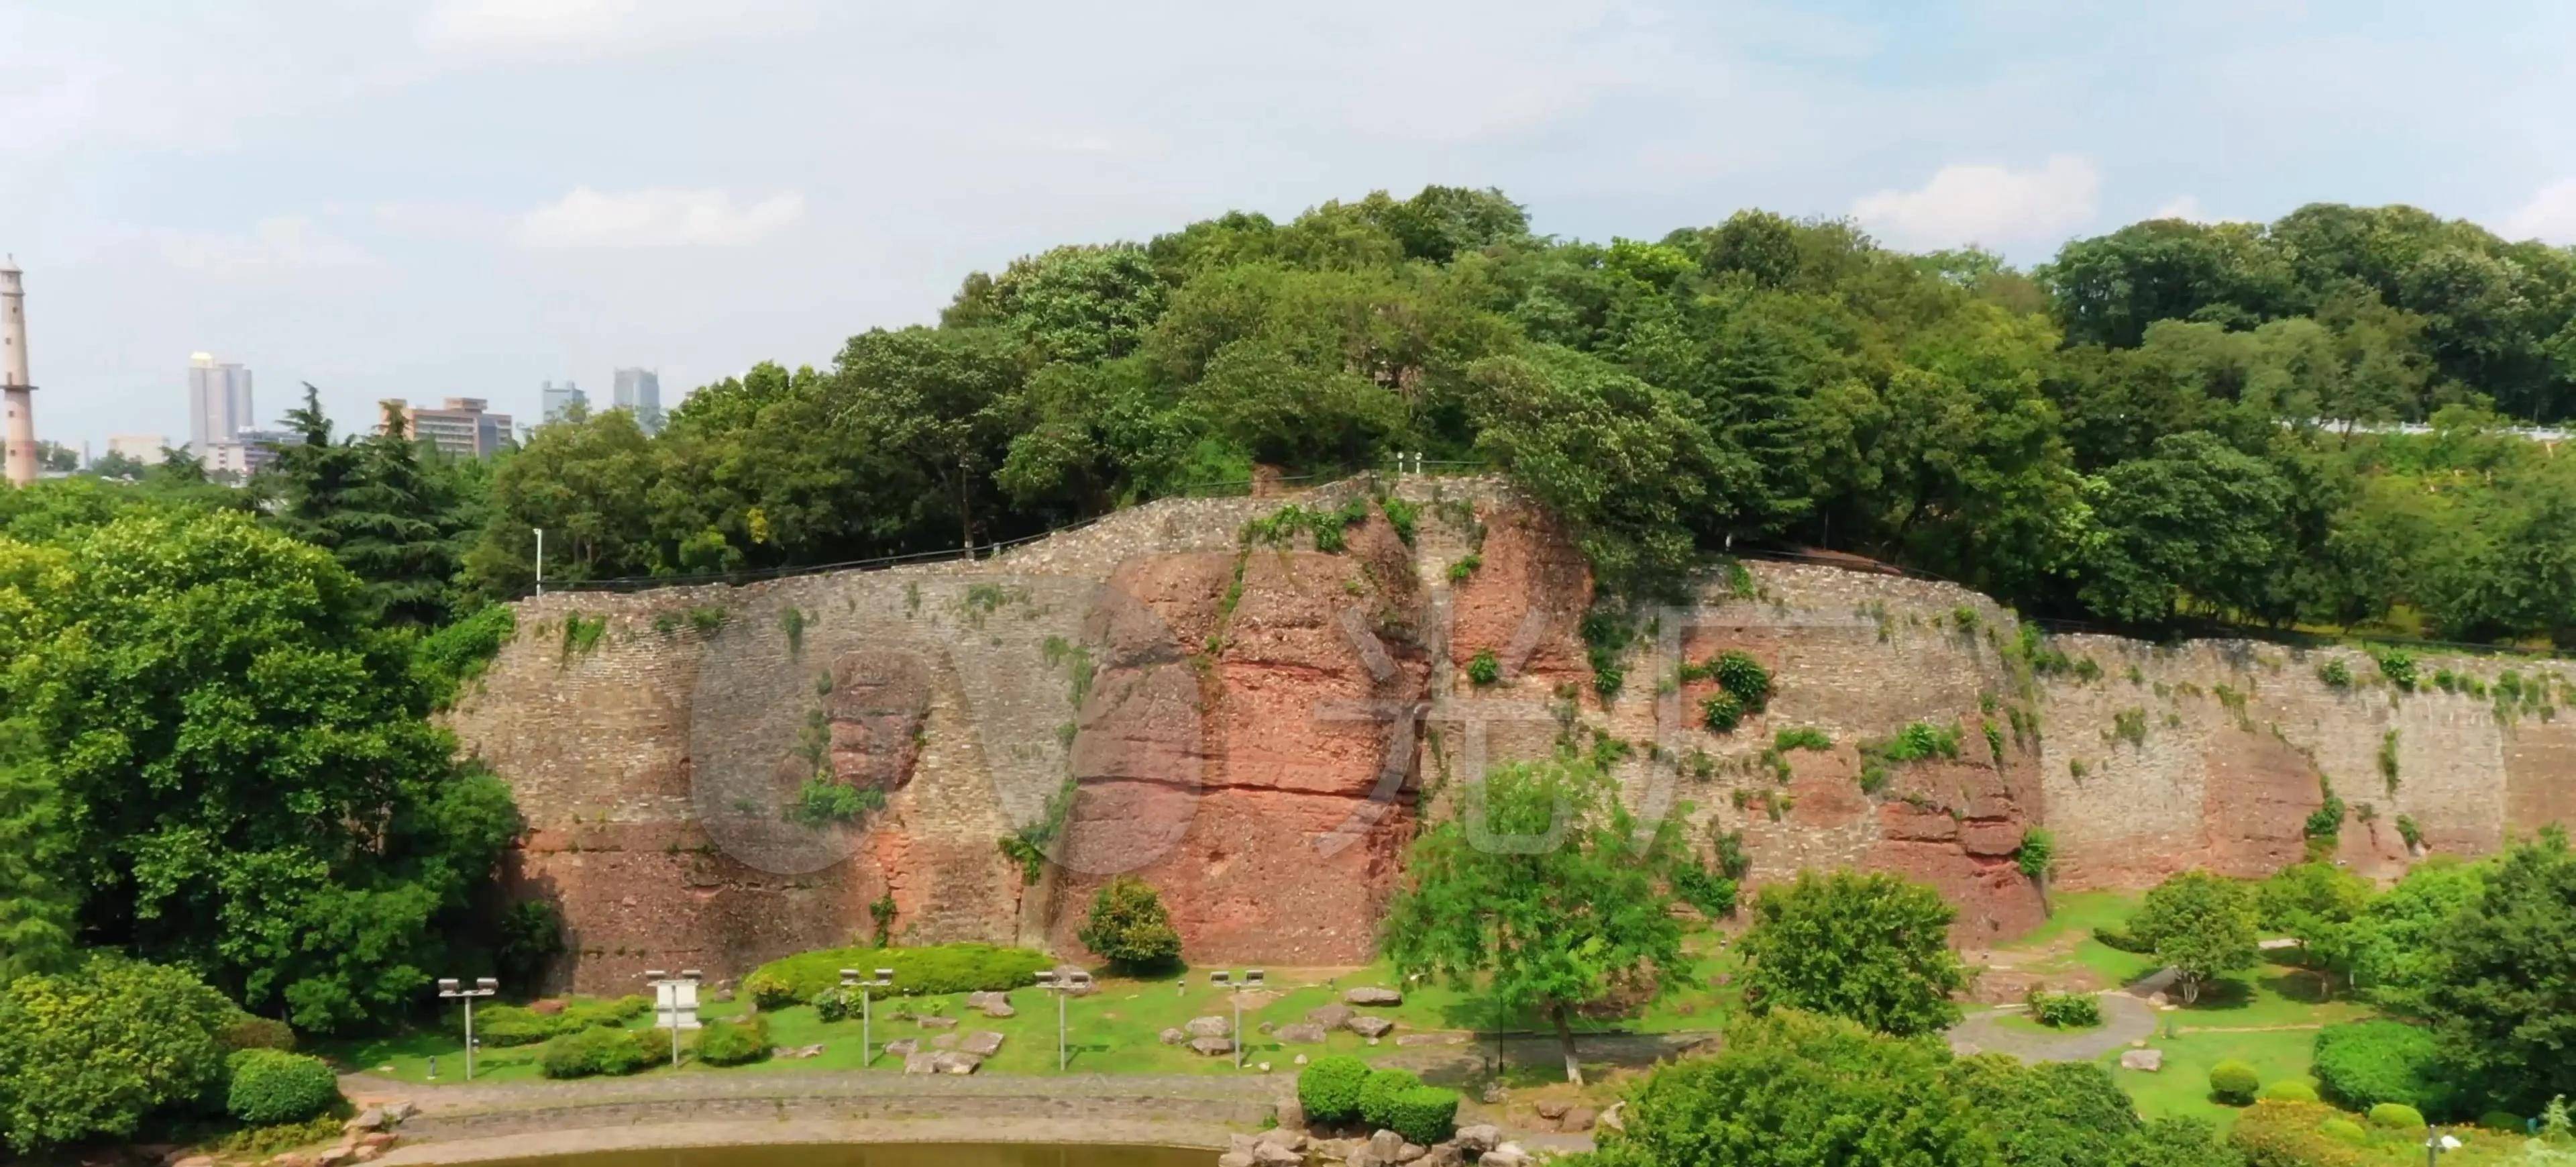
<point>1114,1030</point>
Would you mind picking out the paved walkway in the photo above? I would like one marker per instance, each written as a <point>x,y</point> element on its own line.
<point>2126,1018</point>
<point>736,1085</point>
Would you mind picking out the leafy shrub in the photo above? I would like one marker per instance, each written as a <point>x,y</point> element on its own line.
<point>1720,711</point>
<point>2396,1116</point>
<point>2497,1120</point>
<point>446,660</point>
<point>260,1142</point>
<point>2233,1082</point>
<point>2344,1130</point>
<point>509,1025</point>
<point>1401,515</point>
<point>1805,737</point>
<point>1378,1096</point>
<point>927,971</point>
<point>1742,677</point>
<point>2122,940</point>
<point>250,1031</point>
<point>833,1004</point>
<point>2287,1090</point>
<point>1465,568</point>
<point>822,802</point>
<point>92,1053</point>
<point>270,1086</point>
<point>1919,740</point>
<point>585,1052</point>
<point>1484,669</point>
<point>531,936</point>
<point>2363,1064</point>
<point>2398,666</point>
<point>2065,1010</point>
<point>2297,1134</point>
<point>1424,1115</point>
<point>1329,1088</point>
<point>1129,926</point>
<point>734,1043</point>
<point>2335,674</point>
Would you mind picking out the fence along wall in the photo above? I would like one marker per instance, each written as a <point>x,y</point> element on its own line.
<point>1250,729</point>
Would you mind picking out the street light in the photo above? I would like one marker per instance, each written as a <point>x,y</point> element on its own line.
<point>1063,984</point>
<point>884,979</point>
<point>1235,987</point>
<point>483,987</point>
<point>2435,1142</point>
<point>666,992</point>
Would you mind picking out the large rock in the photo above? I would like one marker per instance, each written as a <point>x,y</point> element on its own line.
<point>372,1118</point>
<point>1479,1137</point>
<point>1274,1155</point>
<point>1372,1027</point>
<point>1330,1016</point>
<point>2149,1060</point>
<point>1373,995</point>
<point>921,1062</point>
<point>1235,1159</point>
<point>1173,1037</point>
<point>958,1063</point>
<point>903,1047</point>
<point>1208,1027</point>
<point>1506,1155</point>
<point>1302,1033</point>
<point>1212,1047</point>
<point>929,1021</point>
<point>982,1043</point>
<point>1577,1120</point>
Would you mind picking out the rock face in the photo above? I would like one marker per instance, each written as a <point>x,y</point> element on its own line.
<point>1247,727</point>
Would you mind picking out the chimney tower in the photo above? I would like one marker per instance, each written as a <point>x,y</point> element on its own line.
<point>16,400</point>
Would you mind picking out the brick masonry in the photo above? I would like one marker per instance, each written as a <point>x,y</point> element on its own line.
<point>1250,730</point>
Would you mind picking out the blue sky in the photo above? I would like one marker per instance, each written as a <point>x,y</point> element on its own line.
<point>467,197</point>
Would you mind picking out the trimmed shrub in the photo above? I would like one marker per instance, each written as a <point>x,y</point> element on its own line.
<point>250,1031</point>
<point>833,1004</point>
<point>1129,925</point>
<point>734,1043</point>
<point>2344,1130</point>
<point>2233,1082</point>
<point>2365,1063</point>
<point>2121,940</point>
<point>1423,1114</point>
<point>2497,1120</point>
<point>2287,1090</point>
<point>2065,1010</point>
<point>1378,1095</point>
<point>2397,1116</point>
<point>2297,1134</point>
<point>508,1025</point>
<point>932,971</point>
<point>1329,1088</point>
<point>271,1086</point>
<point>585,1052</point>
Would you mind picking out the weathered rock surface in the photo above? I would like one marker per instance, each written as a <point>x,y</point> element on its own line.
<point>1330,1016</point>
<point>1212,1047</point>
<point>1371,1027</point>
<point>982,1043</point>
<point>1372,995</point>
<point>2149,1060</point>
<point>1302,1033</point>
<point>1208,1027</point>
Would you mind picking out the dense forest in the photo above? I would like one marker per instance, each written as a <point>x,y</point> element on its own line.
<point>2173,419</point>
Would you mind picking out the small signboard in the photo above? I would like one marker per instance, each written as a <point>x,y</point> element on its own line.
<point>675,1000</point>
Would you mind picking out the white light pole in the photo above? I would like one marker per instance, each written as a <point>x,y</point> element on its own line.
<point>483,987</point>
<point>1236,987</point>
<point>1063,985</point>
<point>541,559</point>
<point>884,979</point>
<point>666,993</point>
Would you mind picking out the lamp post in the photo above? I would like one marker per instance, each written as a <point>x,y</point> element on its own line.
<point>666,994</point>
<point>541,559</point>
<point>1063,984</point>
<point>2435,1142</point>
<point>1236,986</point>
<point>483,987</point>
<point>884,979</point>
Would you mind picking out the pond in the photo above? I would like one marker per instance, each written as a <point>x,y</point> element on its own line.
<point>882,1155</point>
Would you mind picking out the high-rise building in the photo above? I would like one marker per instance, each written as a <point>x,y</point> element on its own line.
<point>560,400</point>
<point>639,391</point>
<point>463,427</point>
<point>17,399</point>
<point>219,404</point>
<point>249,452</point>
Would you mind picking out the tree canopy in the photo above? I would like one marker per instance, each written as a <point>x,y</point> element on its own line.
<point>1870,947</point>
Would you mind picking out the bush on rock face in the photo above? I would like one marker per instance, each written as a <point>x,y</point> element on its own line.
<point>1329,1089</point>
<point>733,1043</point>
<point>2233,1082</point>
<point>269,1087</point>
<point>1129,926</point>
<point>586,1052</point>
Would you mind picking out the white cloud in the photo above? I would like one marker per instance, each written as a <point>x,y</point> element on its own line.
<point>2550,215</point>
<point>657,218</point>
<point>495,28</point>
<point>281,243</point>
<point>1986,204</point>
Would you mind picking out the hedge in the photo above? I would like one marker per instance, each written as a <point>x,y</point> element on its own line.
<point>2066,1010</point>
<point>1423,1114</point>
<point>508,1025</point>
<point>734,1043</point>
<point>585,1052</point>
<point>2288,1090</point>
<point>2234,1082</point>
<point>1329,1089</point>
<point>2363,1064</point>
<point>2295,1134</point>
<point>931,971</point>
<point>2397,1116</point>
<point>1378,1095</point>
<point>269,1087</point>
<point>250,1031</point>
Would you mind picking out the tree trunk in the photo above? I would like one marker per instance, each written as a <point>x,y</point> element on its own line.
<point>2046,910</point>
<point>1565,1040</point>
<point>2190,988</point>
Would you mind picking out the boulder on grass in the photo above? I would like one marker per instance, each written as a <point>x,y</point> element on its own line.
<point>2149,1060</point>
<point>1211,1047</point>
<point>1174,1037</point>
<point>1371,1027</point>
<point>1372,995</point>
<point>982,1043</point>
<point>1208,1027</point>
<point>1302,1033</point>
<point>1330,1016</point>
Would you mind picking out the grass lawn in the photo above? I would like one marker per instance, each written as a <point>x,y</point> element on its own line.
<point>1116,1029</point>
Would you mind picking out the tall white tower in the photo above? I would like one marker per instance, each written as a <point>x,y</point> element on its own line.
<point>16,400</point>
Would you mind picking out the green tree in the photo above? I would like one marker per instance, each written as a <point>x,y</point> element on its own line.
<point>234,766</point>
<point>1795,1090</point>
<point>98,1052</point>
<point>2395,957</point>
<point>1870,947</point>
<point>2319,905</point>
<point>941,400</point>
<point>2049,1114</point>
<point>2502,991</point>
<point>1544,884</point>
<point>1129,926</point>
<point>2196,513</point>
<point>2201,925</point>
<point>2036,859</point>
